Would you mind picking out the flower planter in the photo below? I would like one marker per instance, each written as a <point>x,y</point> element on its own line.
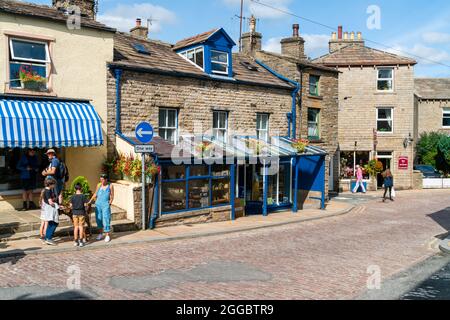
<point>33,85</point>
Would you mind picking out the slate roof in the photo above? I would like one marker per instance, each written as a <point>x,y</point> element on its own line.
<point>47,13</point>
<point>200,38</point>
<point>163,59</point>
<point>358,55</point>
<point>427,88</point>
<point>301,62</point>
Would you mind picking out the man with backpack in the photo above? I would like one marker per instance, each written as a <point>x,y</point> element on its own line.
<point>58,171</point>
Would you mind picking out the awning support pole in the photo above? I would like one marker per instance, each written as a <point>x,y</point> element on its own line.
<point>297,168</point>
<point>265,190</point>
<point>233,191</point>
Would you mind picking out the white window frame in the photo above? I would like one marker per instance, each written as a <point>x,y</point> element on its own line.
<point>166,127</point>
<point>318,122</point>
<point>445,114</point>
<point>386,79</point>
<point>392,120</point>
<point>13,56</point>
<point>220,62</point>
<point>217,129</point>
<point>185,53</point>
<point>262,132</point>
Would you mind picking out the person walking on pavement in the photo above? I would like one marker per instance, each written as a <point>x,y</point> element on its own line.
<point>53,171</point>
<point>50,210</point>
<point>28,167</point>
<point>388,184</point>
<point>359,180</point>
<point>104,197</point>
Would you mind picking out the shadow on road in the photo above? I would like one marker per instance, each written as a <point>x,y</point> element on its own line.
<point>442,218</point>
<point>68,295</point>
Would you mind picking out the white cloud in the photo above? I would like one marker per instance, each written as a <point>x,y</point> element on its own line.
<point>315,44</point>
<point>123,17</point>
<point>273,45</point>
<point>425,55</point>
<point>436,37</point>
<point>260,11</point>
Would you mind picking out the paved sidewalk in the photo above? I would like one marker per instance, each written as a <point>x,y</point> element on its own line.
<point>35,246</point>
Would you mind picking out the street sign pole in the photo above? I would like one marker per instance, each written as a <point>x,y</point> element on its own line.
<point>144,133</point>
<point>143,192</point>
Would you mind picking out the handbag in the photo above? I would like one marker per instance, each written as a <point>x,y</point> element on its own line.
<point>51,213</point>
<point>393,192</point>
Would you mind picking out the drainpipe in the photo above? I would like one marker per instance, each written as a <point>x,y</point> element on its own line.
<point>293,134</point>
<point>301,102</point>
<point>155,214</point>
<point>118,75</point>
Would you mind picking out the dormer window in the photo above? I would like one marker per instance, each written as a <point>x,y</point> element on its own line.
<point>211,51</point>
<point>219,62</point>
<point>196,56</point>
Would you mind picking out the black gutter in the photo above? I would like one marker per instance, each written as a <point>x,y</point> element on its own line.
<point>194,76</point>
<point>41,98</point>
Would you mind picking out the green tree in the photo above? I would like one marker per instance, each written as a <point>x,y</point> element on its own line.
<point>427,148</point>
<point>443,155</point>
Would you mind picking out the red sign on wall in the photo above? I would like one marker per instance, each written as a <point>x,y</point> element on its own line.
<point>403,163</point>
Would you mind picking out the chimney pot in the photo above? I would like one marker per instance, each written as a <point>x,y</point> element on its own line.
<point>352,36</point>
<point>359,36</point>
<point>138,22</point>
<point>340,32</point>
<point>295,29</point>
<point>139,30</point>
<point>333,36</point>
<point>345,35</point>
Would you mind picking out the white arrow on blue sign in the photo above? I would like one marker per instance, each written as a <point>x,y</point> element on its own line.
<point>144,132</point>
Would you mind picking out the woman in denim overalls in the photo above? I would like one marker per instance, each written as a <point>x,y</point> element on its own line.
<point>104,196</point>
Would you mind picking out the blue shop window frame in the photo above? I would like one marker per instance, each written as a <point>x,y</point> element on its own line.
<point>188,178</point>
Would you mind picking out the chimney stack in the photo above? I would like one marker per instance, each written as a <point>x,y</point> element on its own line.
<point>139,30</point>
<point>88,8</point>
<point>252,41</point>
<point>345,39</point>
<point>294,46</point>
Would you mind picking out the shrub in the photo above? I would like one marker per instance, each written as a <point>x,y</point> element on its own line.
<point>85,188</point>
<point>434,149</point>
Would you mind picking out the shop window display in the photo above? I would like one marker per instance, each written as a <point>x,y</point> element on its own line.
<point>349,161</point>
<point>198,194</point>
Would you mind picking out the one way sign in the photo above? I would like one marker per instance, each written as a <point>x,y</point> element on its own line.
<point>144,132</point>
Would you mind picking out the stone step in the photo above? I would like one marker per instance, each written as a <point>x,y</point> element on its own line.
<point>122,225</point>
<point>15,227</point>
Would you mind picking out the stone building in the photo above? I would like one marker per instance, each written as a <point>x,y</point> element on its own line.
<point>63,104</point>
<point>199,89</point>
<point>317,107</point>
<point>376,107</point>
<point>432,103</point>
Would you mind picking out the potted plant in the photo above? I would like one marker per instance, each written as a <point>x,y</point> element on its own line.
<point>30,80</point>
<point>300,145</point>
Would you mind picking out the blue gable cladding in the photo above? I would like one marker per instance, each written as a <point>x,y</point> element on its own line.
<point>218,41</point>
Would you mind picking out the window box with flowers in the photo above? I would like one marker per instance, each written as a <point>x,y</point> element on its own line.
<point>30,80</point>
<point>129,168</point>
<point>300,145</point>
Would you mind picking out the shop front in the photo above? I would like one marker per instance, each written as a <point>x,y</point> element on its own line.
<point>201,176</point>
<point>40,124</point>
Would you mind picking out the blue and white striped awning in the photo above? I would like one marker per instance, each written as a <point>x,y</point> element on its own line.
<point>48,124</point>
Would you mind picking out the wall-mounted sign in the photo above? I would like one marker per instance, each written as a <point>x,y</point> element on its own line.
<point>146,148</point>
<point>403,163</point>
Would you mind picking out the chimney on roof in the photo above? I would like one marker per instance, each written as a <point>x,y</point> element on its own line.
<point>88,8</point>
<point>252,41</point>
<point>295,45</point>
<point>344,39</point>
<point>139,30</point>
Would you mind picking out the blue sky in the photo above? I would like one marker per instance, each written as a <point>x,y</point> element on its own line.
<point>416,28</point>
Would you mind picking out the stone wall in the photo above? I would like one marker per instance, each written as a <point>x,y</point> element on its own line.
<point>143,94</point>
<point>327,102</point>
<point>430,114</point>
<point>359,100</point>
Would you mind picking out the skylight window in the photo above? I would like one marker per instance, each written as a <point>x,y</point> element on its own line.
<point>140,48</point>
<point>249,66</point>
